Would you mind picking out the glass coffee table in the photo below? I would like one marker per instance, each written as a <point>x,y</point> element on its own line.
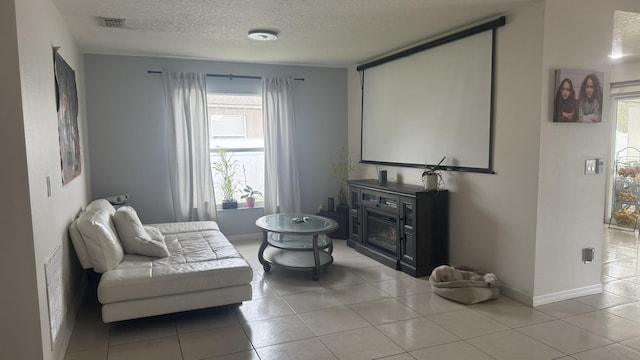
<point>296,241</point>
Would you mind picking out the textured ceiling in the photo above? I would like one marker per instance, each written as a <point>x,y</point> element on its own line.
<point>311,32</point>
<point>626,35</point>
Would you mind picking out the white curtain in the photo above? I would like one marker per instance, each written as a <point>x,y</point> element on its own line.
<point>188,146</point>
<point>282,188</point>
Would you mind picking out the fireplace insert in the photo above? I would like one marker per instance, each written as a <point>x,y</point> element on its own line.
<point>382,232</point>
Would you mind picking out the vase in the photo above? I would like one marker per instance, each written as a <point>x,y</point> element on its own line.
<point>430,182</point>
<point>251,202</point>
<point>342,208</point>
<point>382,177</point>
<point>232,204</point>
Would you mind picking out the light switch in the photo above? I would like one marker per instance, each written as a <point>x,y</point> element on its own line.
<point>590,167</point>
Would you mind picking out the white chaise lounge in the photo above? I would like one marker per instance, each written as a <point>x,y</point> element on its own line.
<point>202,269</point>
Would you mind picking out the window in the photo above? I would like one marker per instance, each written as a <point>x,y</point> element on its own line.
<point>228,126</point>
<point>236,125</point>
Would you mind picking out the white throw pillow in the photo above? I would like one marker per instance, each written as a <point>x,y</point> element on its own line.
<point>135,239</point>
<point>100,236</point>
<point>154,233</point>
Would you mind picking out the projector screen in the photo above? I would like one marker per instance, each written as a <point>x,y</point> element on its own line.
<point>430,102</point>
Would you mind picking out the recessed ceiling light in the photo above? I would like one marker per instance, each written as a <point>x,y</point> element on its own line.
<point>263,35</point>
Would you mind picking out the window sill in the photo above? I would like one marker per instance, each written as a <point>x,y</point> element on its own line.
<point>241,207</point>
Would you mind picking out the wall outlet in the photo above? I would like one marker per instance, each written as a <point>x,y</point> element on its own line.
<point>588,254</point>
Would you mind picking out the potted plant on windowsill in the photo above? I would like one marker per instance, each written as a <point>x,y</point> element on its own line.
<point>250,196</point>
<point>226,167</point>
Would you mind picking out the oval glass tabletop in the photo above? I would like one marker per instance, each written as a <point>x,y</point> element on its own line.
<point>296,224</point>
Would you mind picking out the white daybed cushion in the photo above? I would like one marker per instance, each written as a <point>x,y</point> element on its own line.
<point>199,260</point>
<point>135,238</point>
<point>100,236</point>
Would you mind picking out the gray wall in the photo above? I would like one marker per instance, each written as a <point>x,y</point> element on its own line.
<point>126,125</point>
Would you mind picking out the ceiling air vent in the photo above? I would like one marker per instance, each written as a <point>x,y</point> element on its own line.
<point>111,22</point>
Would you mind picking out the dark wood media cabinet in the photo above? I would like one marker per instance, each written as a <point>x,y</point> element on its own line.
<point>402,226</point>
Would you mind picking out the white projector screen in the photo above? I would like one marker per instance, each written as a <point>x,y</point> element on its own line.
<point>432,103</point>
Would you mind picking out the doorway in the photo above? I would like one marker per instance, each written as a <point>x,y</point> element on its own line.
<point>624,197</point>
<point>627,122</point>
<point>620,246</point>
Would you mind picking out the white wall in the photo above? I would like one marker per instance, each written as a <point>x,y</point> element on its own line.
<point>492,217</point>
<point>564,228</point>
<point>126,130</point>
<point>43,221</point>
<point>625,72</point>
<point>17,268</point>
<point>530,220</point>
<point>570,202</point>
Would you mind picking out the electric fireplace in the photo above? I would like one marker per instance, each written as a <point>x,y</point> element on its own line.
<point>382,232</point>
<point>399,225</point>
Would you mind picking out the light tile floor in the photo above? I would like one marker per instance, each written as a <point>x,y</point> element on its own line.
<point>360,309</point>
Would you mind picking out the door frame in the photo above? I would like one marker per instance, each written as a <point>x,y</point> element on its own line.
<point>619,91</point>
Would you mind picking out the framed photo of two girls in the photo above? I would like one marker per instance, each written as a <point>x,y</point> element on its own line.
<point>578,96</point>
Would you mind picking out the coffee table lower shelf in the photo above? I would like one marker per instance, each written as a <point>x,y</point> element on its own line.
<point>296,260</point>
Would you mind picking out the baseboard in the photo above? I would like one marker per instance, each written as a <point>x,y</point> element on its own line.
<point>566,295</point>
<point>527,299</point>
<point>516,294</point>
<point>245,237</point>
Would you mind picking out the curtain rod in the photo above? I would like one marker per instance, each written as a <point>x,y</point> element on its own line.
<point>229,76</point>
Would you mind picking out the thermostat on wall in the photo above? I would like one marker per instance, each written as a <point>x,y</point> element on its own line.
<point>118,199</point>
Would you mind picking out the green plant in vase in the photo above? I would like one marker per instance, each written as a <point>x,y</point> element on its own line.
<point>250,194</point>
<point>431,176</point>
<point>341,171</point>
<point>226,167</point>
